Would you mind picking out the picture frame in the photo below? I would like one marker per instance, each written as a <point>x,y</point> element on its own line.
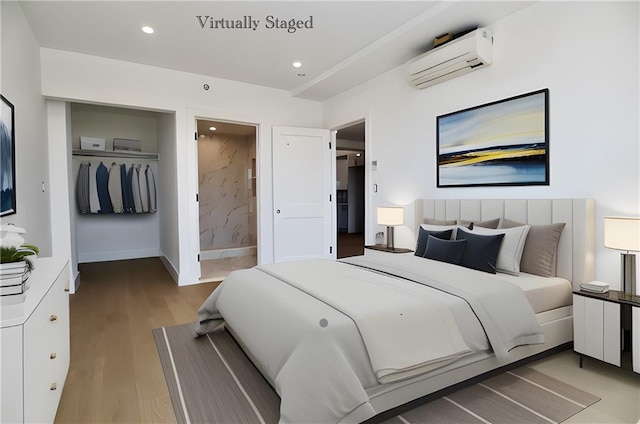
<point>502,143</point>
<point>7,158</point>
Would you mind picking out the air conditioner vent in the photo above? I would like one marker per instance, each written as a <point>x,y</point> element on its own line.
<point>457,57</point>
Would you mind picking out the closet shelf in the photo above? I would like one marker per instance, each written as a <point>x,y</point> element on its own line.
<point>105,154</point>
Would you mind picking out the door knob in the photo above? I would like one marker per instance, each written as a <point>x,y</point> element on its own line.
<point>278,211</point>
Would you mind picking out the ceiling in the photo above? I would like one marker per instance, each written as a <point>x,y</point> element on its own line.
<point>349,43</point>
<point>226,128</point>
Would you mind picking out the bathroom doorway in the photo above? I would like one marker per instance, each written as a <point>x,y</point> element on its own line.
<point>227,197</point>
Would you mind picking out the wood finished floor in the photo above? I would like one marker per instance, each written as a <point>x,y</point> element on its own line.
<point>115,374</point>
<point>350,244</point>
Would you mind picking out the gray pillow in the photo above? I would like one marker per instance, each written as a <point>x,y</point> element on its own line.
<point>507,223</point>
<point>432,221</point>
<point>490,223</point>
<point>540,254</point>
<point>449,251</point>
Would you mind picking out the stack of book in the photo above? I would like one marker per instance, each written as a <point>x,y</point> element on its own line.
<point>13,280</point>
<point>595,287</point>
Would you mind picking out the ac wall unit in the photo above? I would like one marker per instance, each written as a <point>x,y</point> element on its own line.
<point>457,57</point>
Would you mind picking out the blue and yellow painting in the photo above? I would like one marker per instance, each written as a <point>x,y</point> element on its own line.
<point>501,143</point>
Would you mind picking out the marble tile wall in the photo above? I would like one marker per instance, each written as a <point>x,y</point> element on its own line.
<point>227,207</point>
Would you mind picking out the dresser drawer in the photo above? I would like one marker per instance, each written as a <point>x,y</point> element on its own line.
<point>46,351</point>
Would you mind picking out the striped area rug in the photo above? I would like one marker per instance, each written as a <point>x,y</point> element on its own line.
<point>211,380</point>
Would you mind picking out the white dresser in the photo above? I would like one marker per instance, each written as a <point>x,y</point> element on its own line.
<point>34,346</point>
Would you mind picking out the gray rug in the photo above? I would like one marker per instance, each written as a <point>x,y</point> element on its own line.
<point>211,380</point>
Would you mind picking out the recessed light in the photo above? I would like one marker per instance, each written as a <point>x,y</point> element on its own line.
<point>212,128</point>
<point>147,30</point>
<point>297,64</point>
<point>358,154</point>
<point>201,136</point>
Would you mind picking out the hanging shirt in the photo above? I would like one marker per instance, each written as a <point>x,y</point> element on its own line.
<point>135,188</point>
<point>129,189</point>
<point>151,185</point>
<point>82,188</point>
<point>94,202</point>
<point>144,190</point>
<point>115,188</point>
<point>123,185</point>
<point>102,182</point>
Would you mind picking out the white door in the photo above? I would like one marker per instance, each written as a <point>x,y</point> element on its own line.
<point>303,183</point>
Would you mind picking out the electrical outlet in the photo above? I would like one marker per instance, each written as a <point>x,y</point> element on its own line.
<point>379,237</point>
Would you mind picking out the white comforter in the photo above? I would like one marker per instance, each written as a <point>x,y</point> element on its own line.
<point>322,332</point>
<point>390,315</point>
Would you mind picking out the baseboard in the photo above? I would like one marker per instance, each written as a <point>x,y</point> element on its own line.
<point>117,255</point>
<point>76,282</point>
<point>227,253</point>
<point>170,268</point>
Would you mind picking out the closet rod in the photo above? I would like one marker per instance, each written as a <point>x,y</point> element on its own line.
<point>101,153</point>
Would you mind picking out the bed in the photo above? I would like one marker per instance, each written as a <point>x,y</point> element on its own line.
<point>336,356</point>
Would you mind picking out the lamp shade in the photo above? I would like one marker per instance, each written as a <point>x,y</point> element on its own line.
<point>390,215</point>
<point>622,233</point>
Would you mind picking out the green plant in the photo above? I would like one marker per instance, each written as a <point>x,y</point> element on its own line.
<point>17,254</point>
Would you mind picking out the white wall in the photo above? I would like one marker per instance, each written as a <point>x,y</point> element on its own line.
<point>585,53</point>
<point>91,79</point>
<point>61,205</point>
<point>20,84</point>
<point>168,198</point>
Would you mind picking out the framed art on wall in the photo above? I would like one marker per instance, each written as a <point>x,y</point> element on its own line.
<point>7,159</point>
<point>502,143</point>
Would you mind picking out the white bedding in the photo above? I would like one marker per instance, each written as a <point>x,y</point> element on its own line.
<point>391,316</point>
<point>543,293</point>
<point>323,372</point>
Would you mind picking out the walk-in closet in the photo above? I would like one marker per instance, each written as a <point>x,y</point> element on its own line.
<point>116,174</point>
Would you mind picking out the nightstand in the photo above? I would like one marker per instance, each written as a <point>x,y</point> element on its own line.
<point>603,327</point>
<point>384,248</point>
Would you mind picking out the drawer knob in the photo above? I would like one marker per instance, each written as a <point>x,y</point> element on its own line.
<point>52,356</point>
<point>54,386</point>
<point>53,318</point>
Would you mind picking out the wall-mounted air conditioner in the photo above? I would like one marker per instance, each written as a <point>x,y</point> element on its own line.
<point>457,57</point>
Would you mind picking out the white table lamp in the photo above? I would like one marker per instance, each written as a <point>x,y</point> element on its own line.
<point>624,234</point>
<point>390,216</point>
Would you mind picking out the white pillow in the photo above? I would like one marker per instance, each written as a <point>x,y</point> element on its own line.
<point>510,252</point>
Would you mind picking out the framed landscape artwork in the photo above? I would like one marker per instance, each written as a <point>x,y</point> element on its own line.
<point>7,159</point>
<point>503,143</point>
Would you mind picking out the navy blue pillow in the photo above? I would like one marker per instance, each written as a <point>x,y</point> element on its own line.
<point>444,250</point>
<point>423,234</point>
<point>481,251</point>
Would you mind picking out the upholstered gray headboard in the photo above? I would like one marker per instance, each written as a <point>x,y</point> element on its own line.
<point>576,249</point>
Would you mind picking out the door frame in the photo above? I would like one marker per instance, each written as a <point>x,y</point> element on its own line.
<point>192,266</point>
<point>369,236</point>
<point>255,154</point>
